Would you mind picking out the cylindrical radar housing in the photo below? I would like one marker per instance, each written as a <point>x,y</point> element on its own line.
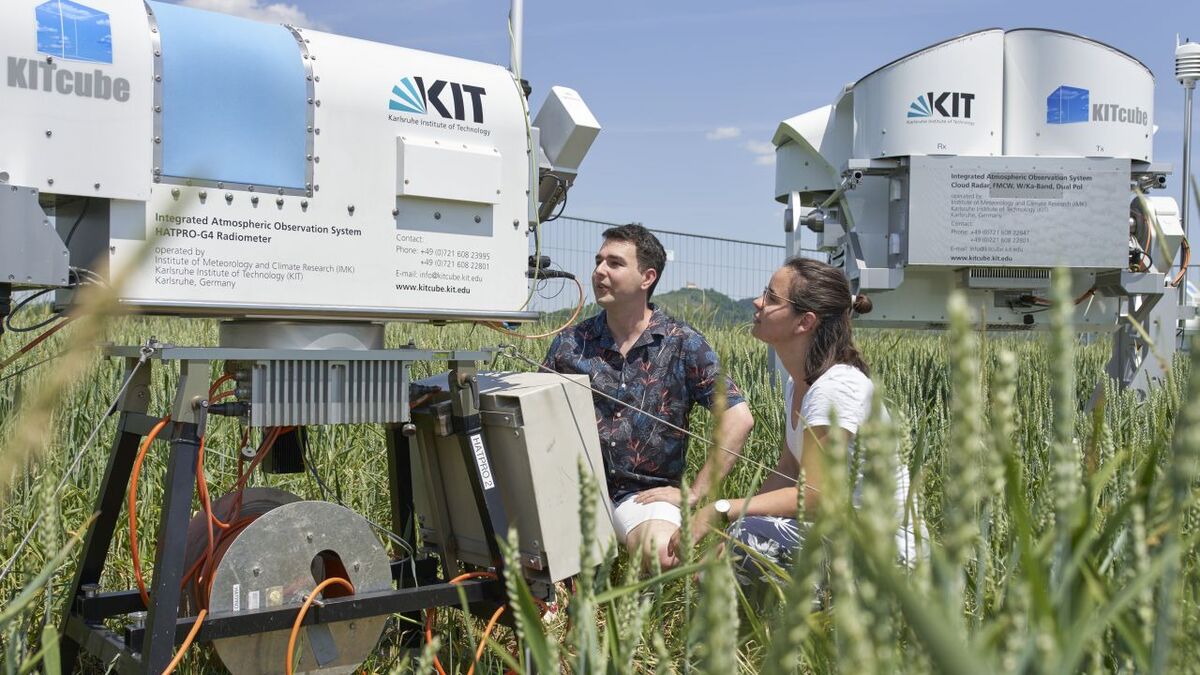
<point>1069,96</point>
<point>946,99</point>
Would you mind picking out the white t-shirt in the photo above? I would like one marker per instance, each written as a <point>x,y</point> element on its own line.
<point>847,392</point>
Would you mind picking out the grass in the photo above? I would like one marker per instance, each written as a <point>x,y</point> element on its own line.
<point>1064,538</point>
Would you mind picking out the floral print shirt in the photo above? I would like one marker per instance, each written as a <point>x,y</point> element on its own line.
<point>670,368</point>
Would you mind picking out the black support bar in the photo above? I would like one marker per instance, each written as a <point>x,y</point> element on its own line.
<point>218,626</point>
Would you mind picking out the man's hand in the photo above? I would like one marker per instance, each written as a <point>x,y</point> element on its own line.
<point>670,495</point>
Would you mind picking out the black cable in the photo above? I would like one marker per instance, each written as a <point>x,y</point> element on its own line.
<point>562,185</point>
<point>542,284</point>
<point>75,225</point>
<point>54,316</point>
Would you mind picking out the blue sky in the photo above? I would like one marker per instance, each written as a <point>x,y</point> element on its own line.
<point>671,82</point>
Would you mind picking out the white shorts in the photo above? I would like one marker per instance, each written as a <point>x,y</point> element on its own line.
<point>629,514</point>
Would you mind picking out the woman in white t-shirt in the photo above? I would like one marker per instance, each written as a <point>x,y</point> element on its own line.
<point>804,313</point>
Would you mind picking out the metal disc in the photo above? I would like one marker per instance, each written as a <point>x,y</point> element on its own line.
<point>275,562</point>
<point>255,502</point>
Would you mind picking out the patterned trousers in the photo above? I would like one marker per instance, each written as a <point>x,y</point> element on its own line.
<point>772,538</point>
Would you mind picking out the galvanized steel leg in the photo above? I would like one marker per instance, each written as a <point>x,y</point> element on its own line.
<point>98,540</point>
<point>159,644</point>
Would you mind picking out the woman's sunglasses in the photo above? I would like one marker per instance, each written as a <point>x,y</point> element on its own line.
<point>768,293</point>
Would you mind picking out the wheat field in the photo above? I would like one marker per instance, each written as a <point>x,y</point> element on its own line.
<point>1063,535</point>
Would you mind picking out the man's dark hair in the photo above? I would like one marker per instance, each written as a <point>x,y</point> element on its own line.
<point>650,253</point>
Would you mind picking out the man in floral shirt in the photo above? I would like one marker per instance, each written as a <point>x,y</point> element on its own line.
<point>637,354</point>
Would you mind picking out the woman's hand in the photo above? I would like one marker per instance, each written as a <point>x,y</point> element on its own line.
<point>703,520</point>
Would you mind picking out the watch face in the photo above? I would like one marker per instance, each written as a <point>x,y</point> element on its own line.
<point>722,506</point>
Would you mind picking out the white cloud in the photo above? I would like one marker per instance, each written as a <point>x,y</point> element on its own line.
<point>723,133</point>
<point>274,12</point>
<point>764,153</point>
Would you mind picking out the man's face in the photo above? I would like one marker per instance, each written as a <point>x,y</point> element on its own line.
<point>616,279</point>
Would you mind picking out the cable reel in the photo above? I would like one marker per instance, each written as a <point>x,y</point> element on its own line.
<point>277,549</point>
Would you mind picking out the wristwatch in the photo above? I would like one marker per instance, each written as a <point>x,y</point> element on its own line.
<point>722,507</point>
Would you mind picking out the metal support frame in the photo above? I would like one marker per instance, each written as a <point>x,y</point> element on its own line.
<point>149,648</point>
<point>1139,363</point>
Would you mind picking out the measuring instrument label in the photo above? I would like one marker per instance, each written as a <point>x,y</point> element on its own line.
<point>481,461</point>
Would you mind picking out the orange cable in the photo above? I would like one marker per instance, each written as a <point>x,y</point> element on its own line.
<point>219,381</point>
<point>133,482</point>
<point>431,616</point>
<point>487,631</point>
<point>35,342</point>
<point>1183,265</point>
<point>578,308</point>
<point>291,648</point>
<point>187,642</point>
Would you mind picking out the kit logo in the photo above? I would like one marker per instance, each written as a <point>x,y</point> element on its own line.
<point>69,30</point>
<point>1072,105</point>
<point>952,104</point>
<point>411,95</point>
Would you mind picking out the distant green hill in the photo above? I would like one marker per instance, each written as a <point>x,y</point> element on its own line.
<point>693,305</point>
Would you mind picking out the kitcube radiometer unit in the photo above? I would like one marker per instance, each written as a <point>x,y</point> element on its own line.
<point>307,186</point>
<point>981,163</point>
<point>247,169</point>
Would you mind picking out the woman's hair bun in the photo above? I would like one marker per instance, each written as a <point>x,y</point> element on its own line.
<point>862,304</point>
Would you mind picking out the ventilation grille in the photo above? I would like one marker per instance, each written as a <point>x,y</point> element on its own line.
<point>1008,278</point>
<point>297,393</point>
